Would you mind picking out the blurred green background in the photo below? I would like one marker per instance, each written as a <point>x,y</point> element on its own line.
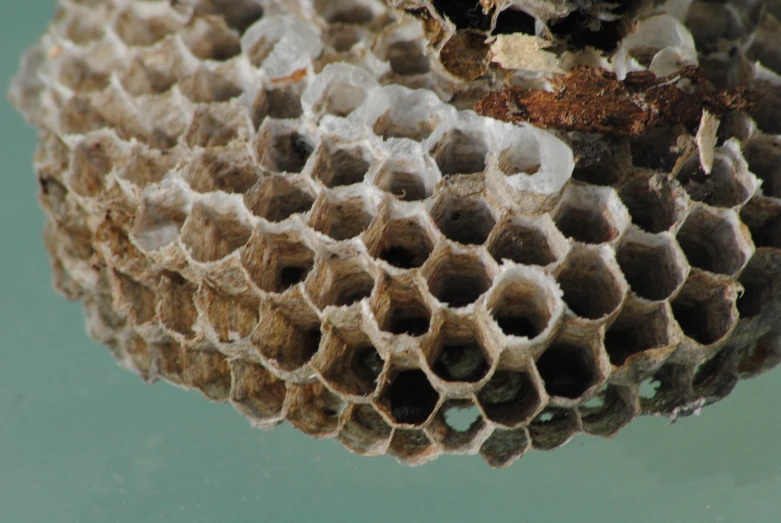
<point>82,440</point>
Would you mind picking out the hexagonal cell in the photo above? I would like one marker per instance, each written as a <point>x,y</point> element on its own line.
<point>215,125</point>
<point>460,151</point>
<point>591,214</point>
<point>763,154</point>
<point>706,315</point>
<point>592,282</point>
<point>616,407</point>
<point>409,179</point>
<point>132,353</point>
<point>715,379</point>
<point>503,447</point>
<point>669,392</point>
<point>168,362</point>
<point>712,241</point>
<point>261,44</point>
<point>394,111</point>
<point>277,197</point>
<point>409,397</point>
<point>510,398</point>
<point>553,427</point>
<point>338,90</point>
<point>458,426</point>
<point>342,214</point>
<point>214,229</point>
<point>147,166</point>
<point>281,147</point>
<point>313,409</point>
<point>132,298</point>
<point>339,282</point>
<point>94,158</point>
<point>655,202</point>
<point>238,14</point>
<point>568,369</point>
<point>231,317</point>
<point>601,160</point>
<point>412,446</point>
<point>349,363</point>
<point>349,11</point>
<point>210,38</point>
<point>341,165</point>
<point>364,430</point>
<point>207,370</point>
<point>207,86</point>
<point>400,309</point>
<point>287,340</point>
<point>135,29</point>
<point>277,261</point>
<point>528,241</point>
<point>634,332</point>
<point>284,100</point>
<point>659,149</point>
<point>402,46</point>
<point>464,220</point>
<point>256,392</point>
<point>727,185</point>
<point>760,279</point>
<point>762,215</point>
<point>523,302</point>
<point>230,170</point>
<point>456,279</point>
<point>458,354</point>
<point>653,265</point>
<point>765,112</point>
<point>405,242</point>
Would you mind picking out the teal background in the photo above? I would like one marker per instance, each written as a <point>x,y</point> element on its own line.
<point>82,440</point>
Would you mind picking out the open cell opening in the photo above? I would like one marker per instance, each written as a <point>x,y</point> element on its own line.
<point>364,430</point>
<point>215,125</point>
<point>211,234</point>
<point>520,309</point>
<point>352,365</point>
<point>460,358</point>
<point>412,446</point>
<point>464,220</point>
<point>401,243</point>
<point>282,148</point>
<point>406,186</point>
<point>314,409</point>
<point>340,98</point>
<point>657,149</point>
<point>763,218</point>
<point>524,243</point>
<point>460,153</point>
<point>410,397</point>
<point>135,30</point>
<point>208,371</point>
<point>294,341</point>
<point>465,14</point>
<point>609,414</point>
<point>651,201</point>
<point>256,392</point>
<point>705,321</point>
<point>277,261</point>
<point>458,281</point>
<point>585,224</point>
<point>568,370</point>
<point>340,284</point>
<point>277,197</point>
<point>711,242</point>
<point>591,289</point>
<point>407,117</point>
<point>407,57</point>
<point>284,102</point>
<point>503,447</point>
<point>509,398</point>
<point>353,12</point>
<point>230,317</point>
<point>763,155</point>
<point>341,217</point>
<point>552,428</point>
<point>512,20</point>
<point>757,280</point>
<point>653,271</point>
<point>336,166</point>
<point>408,316</point>
<point>462,418</point>
<point>175,304</point>
<point>93,159</point>
<point>205,86</point>
<point>636,333</point>
<point>721,187</point>
<point>227,171</point>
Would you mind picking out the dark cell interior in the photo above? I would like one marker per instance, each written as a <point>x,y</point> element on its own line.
<point>412,398</point>
<point>567,370</point>
<point>465,14</point>
<point>461,362</point>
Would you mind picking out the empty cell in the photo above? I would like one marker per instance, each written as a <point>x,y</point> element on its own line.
<point>227,170</point>
<point>727,185</point>
<point>464,220</point>
<point>460,152</point>
<point>633,333</point>
<point>568,370</point>
<point>168,361</point>
<point>616,408</point>
<point>602,160</point>
<point>148,166</point>
<point>93,159</point>
<point>364,430</point>
<point>520,306</point>
<point>406,186</point>
<point>652,265</point>
<point>592,284</point>
<point>231,317</point>
<point>404,315</point>
<point>528,242</point>
<point>712,241</point>
<point>762,215</point>
<point>256,392</point>
<point>277,197</point>
<point>412,446</point>
<point>553,427</point>
<point>657,149</point>
<point>510,398</point>
<point>514,20</point>
<point>407,57</point>
<point>206,86</point>
<point>208,371</point>
<point>458,280</point>
<point>335,166</point>
<point>277,261</point>
<point>763,154</point>
<point>349,364</point>
<point>282,148</point>
<point>759,279</point>
<point>460,359</point>
<point>341,216</point>
<point>161,216</point>
<point>403,243</point>
<point>286,340</point>
<point>211,39</point>
<point>339,283</point>
<point>397,112</point>
<point>654,202</point>
<point>410,397</point>
<point>705,320</point>
<point>212,232</point>
<point>137,30</point>
<point>216,125</point>
<point>348,11</point>
<point>340,88</point>
<point>313,409</point>
<point>503,447</point>
<point>590,215</point>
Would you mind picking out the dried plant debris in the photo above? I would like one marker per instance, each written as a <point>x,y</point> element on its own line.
<point>593,100</point>
<point>287,206</point>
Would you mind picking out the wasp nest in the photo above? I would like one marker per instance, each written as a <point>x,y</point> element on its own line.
<point>288,207</point>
